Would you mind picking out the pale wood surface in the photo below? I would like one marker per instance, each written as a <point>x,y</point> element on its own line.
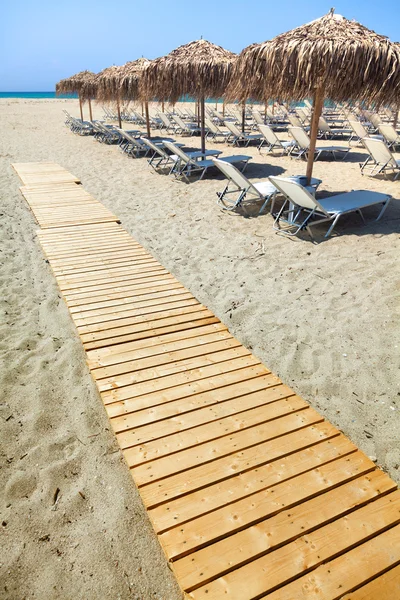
<point>251,492</point>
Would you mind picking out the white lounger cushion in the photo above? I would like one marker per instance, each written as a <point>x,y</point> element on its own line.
<point>349,201</point>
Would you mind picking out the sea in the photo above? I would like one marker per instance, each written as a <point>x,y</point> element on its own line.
<point>35,95</point>
<point>52,95</point>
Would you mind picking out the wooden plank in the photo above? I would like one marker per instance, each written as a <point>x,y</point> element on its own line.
<point>228,520</point>
<point>154,357</point>
<point>181,418</point>
<point>143,452</point>
<point>133,309</point>
<point>82,293</point>
<point>339,576</point>
<point>210,451</point>
<point>186,322</point>
<point>131,291</point>
<point>203,475</point>
<point>305,553</point>
<point>119,319</point>
<point>261,472</point>
<point>212,562</point>
<point>193,392</point>
<point>141,391</point>
<point>92,315</point>
<point>116,355</point>
<point>385,587</point>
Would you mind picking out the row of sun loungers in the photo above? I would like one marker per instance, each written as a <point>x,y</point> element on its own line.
<point>300,209</point>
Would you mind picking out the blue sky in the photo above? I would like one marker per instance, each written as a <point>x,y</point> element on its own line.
<point>43,41</point>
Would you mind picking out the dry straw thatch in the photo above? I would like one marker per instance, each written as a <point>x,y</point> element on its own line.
<point>342,57</point>
<point>200,69</point>
<point>130,78</point>
<point>74,84</point>
<point>116,82</point>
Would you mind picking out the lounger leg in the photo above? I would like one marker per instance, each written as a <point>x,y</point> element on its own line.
<point>267,199</point>
<point>328,233</point>
<point>384,207</point>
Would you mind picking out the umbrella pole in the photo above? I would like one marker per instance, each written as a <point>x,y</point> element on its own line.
<point>265,110</point>
<point>396,115</point>
<point>317,110</point>
<point>90,110</point>
<point>243,115</point>
<point>80,106</point>
<point>203,132</point>
<point>146,108</point>
<point>223,108</point>
<point>162,106</point>
<point>119,115</point>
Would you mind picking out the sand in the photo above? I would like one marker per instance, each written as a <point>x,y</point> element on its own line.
<point>324,317</point>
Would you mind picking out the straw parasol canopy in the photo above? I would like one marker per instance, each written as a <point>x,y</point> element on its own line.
<point>130,77</point>
<point>74,85</point>
<point>200,69</point>
<point>330,57</point>
<point>107,86</point>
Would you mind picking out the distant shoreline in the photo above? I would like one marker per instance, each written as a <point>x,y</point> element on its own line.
<point>37,95</point>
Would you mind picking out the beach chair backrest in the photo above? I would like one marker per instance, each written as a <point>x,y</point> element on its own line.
<point>269,135</point>
<point>158,149</point>
<point>165,119</point>
<point>300,137</point>
<point>358,129</point>
<point>180,122</point>
<point>232,128</point>
<point>211,126</point>
<point>389,132</point>
<point>296,193</point>
<point>294,120</point>
<point>308,103</point>
<point>323,125</point>
<point>234,175</point>
<point>379,151</point>
<point>176,150</point>
<point>258,117</point>
<point>375,119</point>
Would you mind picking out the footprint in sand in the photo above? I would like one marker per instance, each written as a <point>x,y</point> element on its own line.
<point>20,485</point>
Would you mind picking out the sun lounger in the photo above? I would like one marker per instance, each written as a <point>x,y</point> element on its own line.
<point>303,144</point>
<point>326,131</point>
<point>380,160</point>
<point>245,190</point>
<point>359,132</point>
<point>183,128</point>
<point>271,141</point>
<point>390,135</point>
<point>197,163</point>
<point>303,206</point>
<point>166,123</point>
<point>213,131</point>
<point>237,137</point>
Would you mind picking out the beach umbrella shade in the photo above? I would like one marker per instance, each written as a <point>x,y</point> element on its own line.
<point>103,88</point>
<point>330,57</point>
<point>74,85</point>
<point>199,69</point>
<point>128,83</point>
<point>116,84</point>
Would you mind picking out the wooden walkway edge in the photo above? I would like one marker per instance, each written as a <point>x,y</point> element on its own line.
<point>251,492</point>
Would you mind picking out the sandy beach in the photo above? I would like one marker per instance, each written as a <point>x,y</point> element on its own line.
<point>322,316</point>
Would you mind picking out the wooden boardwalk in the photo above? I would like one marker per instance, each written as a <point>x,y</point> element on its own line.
<point>251,492</point>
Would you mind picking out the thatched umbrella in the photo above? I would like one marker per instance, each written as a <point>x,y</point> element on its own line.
<point>117,83</point>
<point>102,87</point>
<point>129,82</point>
<point>200,69</point>
<point>74,85</point>
<point>331,57</point>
